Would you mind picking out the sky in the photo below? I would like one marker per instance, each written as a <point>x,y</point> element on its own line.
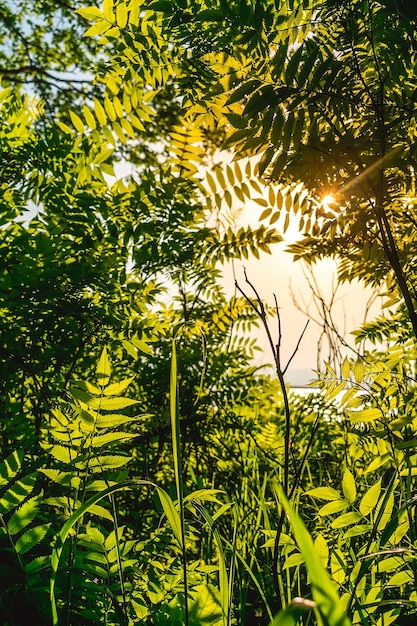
<point>289,280</point>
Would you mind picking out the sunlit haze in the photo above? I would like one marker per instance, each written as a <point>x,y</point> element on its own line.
<point>290,281</point>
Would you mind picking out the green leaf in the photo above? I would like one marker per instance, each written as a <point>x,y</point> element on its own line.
<point>114,419</point>
<point>323,493</point>
<point>294,560</point>
<point>17,493</point>
<point>370,499</point>
<point>245,89</point>
<point>101,512</point>
<point>347,519</point>
<point>333,507</point>
<point>204,495</point>
<point>109,461</point>
<point>62,478</point>
<point>37,565</point>
<point>323,589</point>
<point>322,549</point>
<point>63,453</point>
<point>103,369</point>
<point>405,577</point>
<point>384,515</point>
<point>293,65</point>
<point>114,538</point>
<point>101,440</point>
<point>171,513</point>
<point>10,467</point>
<point>70,523</point>
<point>349,486</point>
<point>358,530</point>
<point>225,588</point>
<point>117,388</point>
<point>23,516</point>
<point>31,538</point>
<point>111,404</point>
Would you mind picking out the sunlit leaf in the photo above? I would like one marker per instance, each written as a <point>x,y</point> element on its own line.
<point>103,370</point>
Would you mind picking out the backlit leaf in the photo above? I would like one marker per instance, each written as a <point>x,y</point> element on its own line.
<point>349,486</point>
<point>116,389</point>
<point>10,467</point>
<point>100,112</point>
<point>346,519</point>
<point>17,493</point>
<point>31,538</point>
<point>370,499</point>
<point>77,122</point>
<point>103,370</point>
<point>324,493</point>
<point>90,13</point>
<point>23,516</point>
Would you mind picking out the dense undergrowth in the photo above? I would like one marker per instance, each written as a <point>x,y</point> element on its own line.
<point>208,536</point>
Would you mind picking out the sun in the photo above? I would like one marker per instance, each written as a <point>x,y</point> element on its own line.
<point>327,201</point>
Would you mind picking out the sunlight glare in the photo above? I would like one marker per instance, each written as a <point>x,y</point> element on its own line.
<point>327,201</point>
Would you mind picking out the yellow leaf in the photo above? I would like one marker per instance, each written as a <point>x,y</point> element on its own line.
<point>108,10</point>
<point>366,415</point>
<point>230,175</point>
<point>65,128</point>
<point>113,32</point>
<point>134,8</point>
<point>135,121</point>
<point>89,118</point>
<point>78,124</point>
<point>370,499</point>
<point>345,368</point>
<point>108,106</point>
<point>118,107</point>
<point>119,132</point>
<point>121,15</point>
<point>211,183</point>
<point>97,29</point>
<point>90,13</point>
<point>358,371</point>
<point>103,369</point>
<point>100,112</point>
<point>127,126</point>
<point>348,486</point>
<point>238,172</point>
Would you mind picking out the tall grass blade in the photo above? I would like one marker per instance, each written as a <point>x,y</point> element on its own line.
<point>175,422</point>
<point>176,450</point>
<point>223,578</point>
<point>324,593</point>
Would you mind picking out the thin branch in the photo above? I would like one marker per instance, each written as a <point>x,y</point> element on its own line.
<point>296,347</point>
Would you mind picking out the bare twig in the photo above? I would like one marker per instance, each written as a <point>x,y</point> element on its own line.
<point>258,306</point>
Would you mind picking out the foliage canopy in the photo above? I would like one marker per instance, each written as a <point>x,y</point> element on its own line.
<point>149,473</point>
